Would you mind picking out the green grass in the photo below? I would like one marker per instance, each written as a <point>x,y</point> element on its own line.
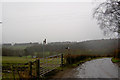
<point>45,63</point>
<point>8,61</point>
<point>50,63</point>
<point>115,60</point>
<point>16,59</point>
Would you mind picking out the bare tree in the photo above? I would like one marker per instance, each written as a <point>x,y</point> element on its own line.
<point>108,16</point>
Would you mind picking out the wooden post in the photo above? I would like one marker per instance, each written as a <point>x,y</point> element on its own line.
<point>30,69</point>
<point>18,74</point>
<point>61,60</point>
<point>17,69</point>
<point>13,72</point>
<point>38,68</point>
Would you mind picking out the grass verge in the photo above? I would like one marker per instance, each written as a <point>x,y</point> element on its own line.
<point>115,60</point>
<point>81,62</point>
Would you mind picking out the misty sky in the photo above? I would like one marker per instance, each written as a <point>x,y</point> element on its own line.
<point>0,23</point>
<point>55,21</point>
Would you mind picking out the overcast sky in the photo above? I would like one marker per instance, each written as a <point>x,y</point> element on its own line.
<point>55,21</point>
<point>0,32</point>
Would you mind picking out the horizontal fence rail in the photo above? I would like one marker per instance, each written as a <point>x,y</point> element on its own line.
<point>36,69</point>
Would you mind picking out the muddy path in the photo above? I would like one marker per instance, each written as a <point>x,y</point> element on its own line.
<point>98,68</point>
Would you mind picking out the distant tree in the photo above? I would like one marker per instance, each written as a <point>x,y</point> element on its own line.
<point>108,17</point>
<point>9,52</point>
<point>26,52</point>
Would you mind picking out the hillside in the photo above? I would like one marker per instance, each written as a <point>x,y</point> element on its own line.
<point>98,47</point>
<point>19,46</point>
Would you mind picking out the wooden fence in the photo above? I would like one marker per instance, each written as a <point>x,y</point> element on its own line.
<point>37,69</point>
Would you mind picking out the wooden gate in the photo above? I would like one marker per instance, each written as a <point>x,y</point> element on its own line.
<point>36,69</point>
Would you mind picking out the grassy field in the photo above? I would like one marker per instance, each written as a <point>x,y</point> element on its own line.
<point>16,59</point>
<point>8,61</point>
<point>48,63</point>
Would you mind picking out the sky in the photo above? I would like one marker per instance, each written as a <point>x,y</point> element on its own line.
<point>55,21</point>
<point>52,0</point>
<point>0,23</point>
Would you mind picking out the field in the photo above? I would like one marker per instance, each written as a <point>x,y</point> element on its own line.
<point>46,64</point>
<point>16,59</point>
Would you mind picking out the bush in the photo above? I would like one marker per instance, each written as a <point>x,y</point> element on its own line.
<point>73,58</point>
<point>117,53</point>
<point>70,59</point>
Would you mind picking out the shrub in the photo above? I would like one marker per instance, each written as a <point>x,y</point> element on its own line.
<point>72,58</point>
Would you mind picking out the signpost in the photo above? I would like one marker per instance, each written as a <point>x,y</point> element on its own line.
<point>44,42</point>
<point>68,53</point>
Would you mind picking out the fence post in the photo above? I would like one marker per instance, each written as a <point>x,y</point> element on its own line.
<point>30,69</point>
<point>61,60</point>
<point>13,72</point>
<point>38,68</point>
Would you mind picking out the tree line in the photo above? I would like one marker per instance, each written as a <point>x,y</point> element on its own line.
<point>99,47</point>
